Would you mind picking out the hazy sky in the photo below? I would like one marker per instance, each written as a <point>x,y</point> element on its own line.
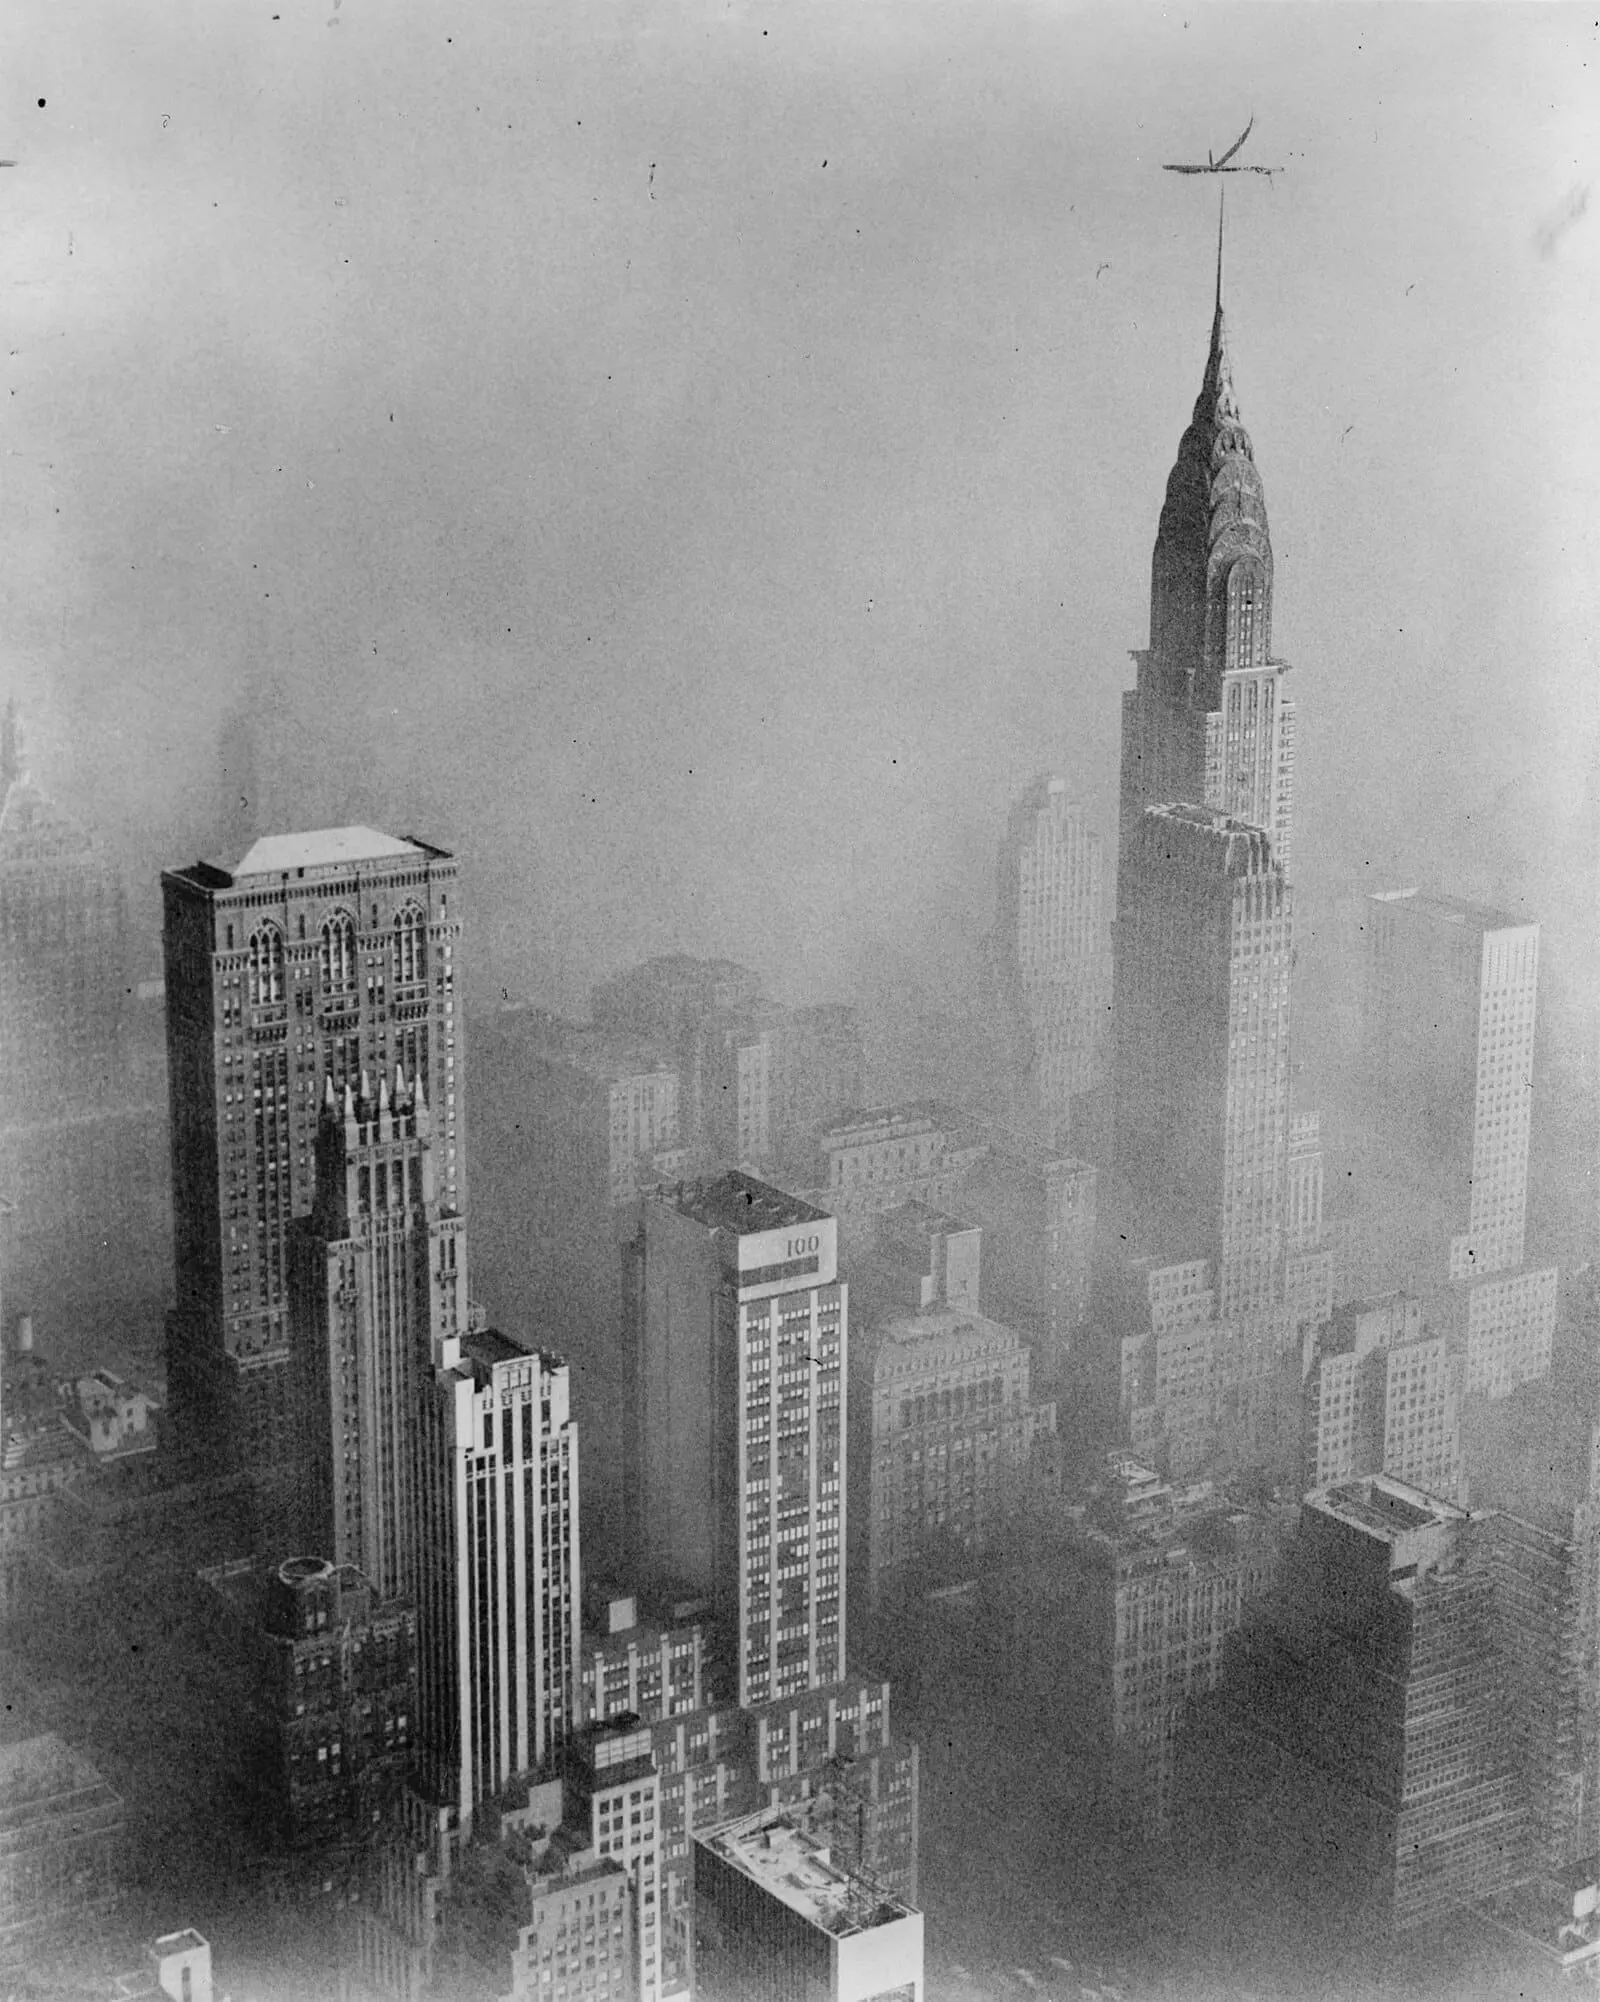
<point>700,461</point>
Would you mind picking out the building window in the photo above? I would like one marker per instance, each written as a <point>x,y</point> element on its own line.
<point>266,966</point>
<point>410,946</point>
<point>338,953</point>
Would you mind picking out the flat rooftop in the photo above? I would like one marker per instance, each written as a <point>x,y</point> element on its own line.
<point>489,1346</point>
<point>796,1868</point>
<point>743,1205</point>
<point>319,848</point>
<point>1436,908</point>
<point>1384,1507</point>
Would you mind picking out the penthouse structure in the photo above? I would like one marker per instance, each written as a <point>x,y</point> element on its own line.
<point>314,956</point>
<point>736,1321</point>
<point>1369,1700</point>
<point>776,1915</point>
<point>498,1597</point>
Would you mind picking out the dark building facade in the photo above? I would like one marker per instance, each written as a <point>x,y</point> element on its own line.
<point>332,1671</point>
<point>316,956</point>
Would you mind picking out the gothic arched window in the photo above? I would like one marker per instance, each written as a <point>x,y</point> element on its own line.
<point>338,952</point>
<point>266,966</point>
<point>410,946</point>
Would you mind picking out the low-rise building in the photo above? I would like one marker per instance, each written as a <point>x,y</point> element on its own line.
<point>61,1834</point>
<point>777,1915</point>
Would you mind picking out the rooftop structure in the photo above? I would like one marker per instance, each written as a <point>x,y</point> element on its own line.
<point>739,1203</point>
<point>795,1867</point>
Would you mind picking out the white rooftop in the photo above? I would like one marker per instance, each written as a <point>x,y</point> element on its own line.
<point>276,854</point>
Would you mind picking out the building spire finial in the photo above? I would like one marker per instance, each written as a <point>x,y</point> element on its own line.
<point>1222,209</point>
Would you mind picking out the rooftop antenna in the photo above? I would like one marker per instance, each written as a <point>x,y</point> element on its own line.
<point>1226,164</point>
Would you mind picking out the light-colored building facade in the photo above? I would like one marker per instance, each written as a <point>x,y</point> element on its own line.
<point>736,1320</point>
<point>499,1606</point>
<point>1382,1396</point>
<point>777,1916</point>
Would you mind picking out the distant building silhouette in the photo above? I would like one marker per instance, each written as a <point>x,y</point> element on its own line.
<point>1448,1058</point>
<point>83,1154</point>
<point>1049,957</point>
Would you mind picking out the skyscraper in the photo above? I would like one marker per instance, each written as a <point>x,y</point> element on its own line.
<point>83,1151</point>
<point>319,955</point>
<point>498,1595</point>
<point>1050,953</point>
<point>1203,948</point>
<point>736,1320</point>
<point>379,1279</point>
<point>1452,990</point>
<point>1374,1682</point>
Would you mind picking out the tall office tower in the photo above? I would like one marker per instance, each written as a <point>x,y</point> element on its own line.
<point>315,955</point>
<point>498,1595</point>
<point>1452,993</point>
<point>378,1278</point>
<point>1382,1397</point>
<point>82,1097</point>
<point>735,1318</point>
<point>1451,998</point>
<point>1209,720</point>
<point>1205,946</point>
<point>1365,1711</point>
<point>1050,954</point>
<point>1124,1607</point>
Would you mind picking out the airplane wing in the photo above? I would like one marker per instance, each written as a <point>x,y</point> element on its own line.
<point>1243,136</point>
<point>1188,170</point>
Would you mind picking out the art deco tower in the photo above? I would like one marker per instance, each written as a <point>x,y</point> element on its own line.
<point>1204,922</point>
<point>1209,720</point>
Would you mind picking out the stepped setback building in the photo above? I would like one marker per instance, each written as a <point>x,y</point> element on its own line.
<point>1203,949</point>
<point>378,1279</point>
